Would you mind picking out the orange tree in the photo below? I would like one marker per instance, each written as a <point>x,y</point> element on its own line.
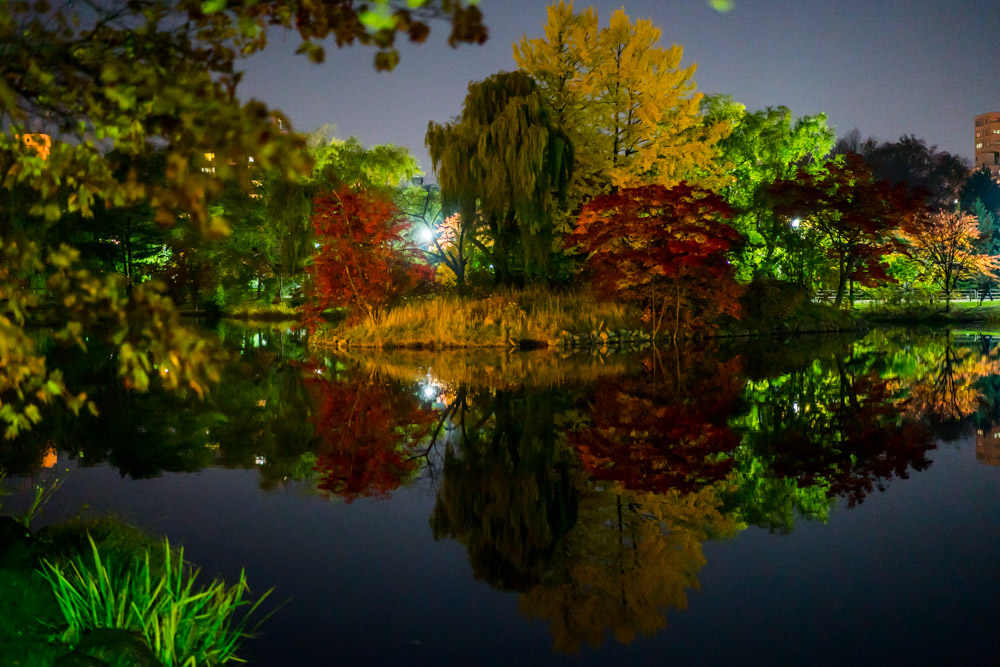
<point>363,258</point>
<point>946,245</point>
<point>661,248</point>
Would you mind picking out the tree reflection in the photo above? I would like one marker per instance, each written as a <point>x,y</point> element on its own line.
<point>631,557</point>
<point>835,428</point>
<point>368,430</point>
<point>948,388</point>
<point>661,430</point>
<point>507,493</point>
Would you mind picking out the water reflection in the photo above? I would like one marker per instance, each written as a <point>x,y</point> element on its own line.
<point>588,485</point>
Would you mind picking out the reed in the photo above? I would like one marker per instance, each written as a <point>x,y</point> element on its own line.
<point>517,315</point>
<point>262,311</point>
<point>182,624</point>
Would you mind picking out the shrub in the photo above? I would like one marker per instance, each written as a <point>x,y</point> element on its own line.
<point>182,625</point>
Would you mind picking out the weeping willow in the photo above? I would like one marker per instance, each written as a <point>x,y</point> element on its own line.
<point>505,167</point>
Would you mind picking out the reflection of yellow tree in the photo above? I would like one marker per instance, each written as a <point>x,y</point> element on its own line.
<point>948,389</point>
<point>631,557</point>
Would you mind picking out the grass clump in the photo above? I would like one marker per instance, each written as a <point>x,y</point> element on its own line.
<point>451,321</point>
<point>282,312</point>
<point>182,624</point>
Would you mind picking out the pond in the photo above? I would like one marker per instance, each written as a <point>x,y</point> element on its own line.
<point>811,501</point>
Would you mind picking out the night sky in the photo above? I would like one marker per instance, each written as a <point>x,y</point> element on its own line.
<point>887,67</point>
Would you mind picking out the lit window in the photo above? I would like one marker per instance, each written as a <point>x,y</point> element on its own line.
<point>209,156</point>
<point>979,144</point>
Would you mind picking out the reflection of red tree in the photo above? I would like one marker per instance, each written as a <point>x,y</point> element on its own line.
<point>367,431</point>
<point>656,436</point>
<point>862,443</point>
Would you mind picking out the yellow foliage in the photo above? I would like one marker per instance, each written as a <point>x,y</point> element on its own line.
<point>630,110</point>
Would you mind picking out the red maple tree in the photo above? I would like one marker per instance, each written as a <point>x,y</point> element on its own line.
<point>664,249</point>
<point>363,258</point>
<point>857,216</point>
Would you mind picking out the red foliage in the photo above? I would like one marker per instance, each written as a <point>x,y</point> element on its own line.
<point>857,215</point>
<point>652,437</point>
<point>660,247</point>
<point>863,444</point>
<point>363,259</point>
<point>368,431</point>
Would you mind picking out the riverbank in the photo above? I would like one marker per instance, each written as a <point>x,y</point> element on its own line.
<point>960,312</point>
<point>540,319</point>
<point>100,592</point>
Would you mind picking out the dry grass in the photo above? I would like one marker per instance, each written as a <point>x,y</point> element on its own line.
<point>450,321</point>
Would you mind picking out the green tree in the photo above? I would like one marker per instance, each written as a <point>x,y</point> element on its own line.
<point>763,147</point>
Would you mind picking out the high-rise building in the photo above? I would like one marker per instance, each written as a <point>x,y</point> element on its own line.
<point>988,142</point>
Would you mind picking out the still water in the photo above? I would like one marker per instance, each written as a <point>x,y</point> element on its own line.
<point>822,501</point>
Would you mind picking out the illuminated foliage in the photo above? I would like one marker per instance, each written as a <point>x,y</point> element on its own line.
<point>664,249</point>
<point>630,112</point>
<point>856,216</point>
<point>764,147</point>
<point>946,245</point>
<point>363,259</point>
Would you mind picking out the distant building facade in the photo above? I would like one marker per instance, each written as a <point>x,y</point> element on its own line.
<point>988,142</point>
<point>988,446</point>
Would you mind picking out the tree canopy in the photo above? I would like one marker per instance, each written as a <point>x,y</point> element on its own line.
<point>627,106</point>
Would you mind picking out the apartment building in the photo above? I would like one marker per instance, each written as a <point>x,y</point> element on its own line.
<point>988,142</point>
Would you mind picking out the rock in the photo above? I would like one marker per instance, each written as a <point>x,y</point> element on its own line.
<point>111,646</point>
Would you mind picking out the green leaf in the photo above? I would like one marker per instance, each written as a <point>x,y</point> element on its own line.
<point>213,6</point>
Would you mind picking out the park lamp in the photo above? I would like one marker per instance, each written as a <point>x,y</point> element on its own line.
<point>426,235</point>
<point>796,222</point>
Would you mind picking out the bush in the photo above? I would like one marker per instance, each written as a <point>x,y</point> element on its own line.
<point>766,302</point>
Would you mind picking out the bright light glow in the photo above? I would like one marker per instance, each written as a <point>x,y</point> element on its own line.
<point>796,222</point>
<point>426,235</point>
<point>430,392</point>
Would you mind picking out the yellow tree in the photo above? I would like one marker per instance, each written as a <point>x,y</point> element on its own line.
<point>946,245</point>
<point>631,112</point>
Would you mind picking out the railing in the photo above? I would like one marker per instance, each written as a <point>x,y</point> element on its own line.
<point>963,294</point>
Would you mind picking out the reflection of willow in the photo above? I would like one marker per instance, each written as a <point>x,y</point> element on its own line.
<point>948,389</point>
<point>506,493</point>
<point>836,428</point>
<point>367,430</point>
